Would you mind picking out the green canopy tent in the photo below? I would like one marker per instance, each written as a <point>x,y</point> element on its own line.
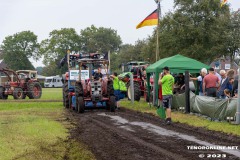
<point>176,64</point>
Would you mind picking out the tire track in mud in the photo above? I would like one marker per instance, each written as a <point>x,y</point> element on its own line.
<point>108,139</point>
<point>137,140</point>
<point>200,132</point>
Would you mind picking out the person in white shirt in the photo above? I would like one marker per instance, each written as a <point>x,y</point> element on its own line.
<point>200,80</point>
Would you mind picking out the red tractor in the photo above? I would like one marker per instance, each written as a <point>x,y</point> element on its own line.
<point>93,93</point>
<point>137,68</point>
<point>80,90</point>
<point>19,84</point>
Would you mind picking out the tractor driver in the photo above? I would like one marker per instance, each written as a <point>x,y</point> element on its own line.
<point>98,75</point>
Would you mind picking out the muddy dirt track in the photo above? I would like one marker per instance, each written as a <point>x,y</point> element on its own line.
<point>129,135</point>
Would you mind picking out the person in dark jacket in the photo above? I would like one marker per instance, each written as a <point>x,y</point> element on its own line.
<point>224,84</point>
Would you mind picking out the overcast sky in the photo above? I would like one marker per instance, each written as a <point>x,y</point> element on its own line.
<point>43,16</point>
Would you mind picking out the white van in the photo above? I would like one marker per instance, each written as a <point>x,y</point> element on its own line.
<point>54,81</point>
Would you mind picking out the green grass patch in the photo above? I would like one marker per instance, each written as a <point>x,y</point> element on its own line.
<point>37,130</point>
<point>189,119</point>
<point>51,93</point>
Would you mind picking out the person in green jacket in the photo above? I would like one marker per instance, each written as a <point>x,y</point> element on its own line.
<point>116,87</point>
<point>122,88</point>
<point>167,82</point>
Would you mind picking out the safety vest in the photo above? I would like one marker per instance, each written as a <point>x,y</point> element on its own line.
<point>122,86</point>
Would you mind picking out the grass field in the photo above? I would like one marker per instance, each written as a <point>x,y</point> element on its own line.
<point>189,119</point>
<point>37,130</point>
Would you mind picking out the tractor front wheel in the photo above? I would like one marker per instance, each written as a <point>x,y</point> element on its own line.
<point>80,105</point>
<point>18,93</point>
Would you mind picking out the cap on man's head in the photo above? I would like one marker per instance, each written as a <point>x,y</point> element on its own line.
<point>211,69</point>
<point>166,68</point>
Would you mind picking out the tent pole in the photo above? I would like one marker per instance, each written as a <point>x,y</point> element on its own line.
<point>187,92</point>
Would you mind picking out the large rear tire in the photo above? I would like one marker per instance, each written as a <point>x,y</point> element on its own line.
<point>137,91</point>
<point>81,105</point>
<point>2,95</point>
<point>18,93</point>
<point>34,90</point>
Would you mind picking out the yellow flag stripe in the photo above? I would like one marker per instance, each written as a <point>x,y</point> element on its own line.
<point>149,22</point>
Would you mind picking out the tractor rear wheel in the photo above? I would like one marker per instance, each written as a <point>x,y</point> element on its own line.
<point>34,90</point>
<point>137,91</point>
<point>65,95</point>
<point>2,95</point>
<point>18,93</point>
<point>112,103</point>
<point>80,105</point>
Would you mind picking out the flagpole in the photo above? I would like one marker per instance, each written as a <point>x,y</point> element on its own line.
<point>158,27</point>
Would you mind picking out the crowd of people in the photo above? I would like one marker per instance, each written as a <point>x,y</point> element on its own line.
<point>217,85</point>
<point>210,83</point>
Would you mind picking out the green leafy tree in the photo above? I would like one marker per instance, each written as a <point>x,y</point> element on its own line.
<point>59,42</point>
<point>99,39</point>
<point>197,29</point>
<point>233,40</point>
<point>18,48</point>
<point>51,70</point>
<point>128,52</point>
<point>56,47</point>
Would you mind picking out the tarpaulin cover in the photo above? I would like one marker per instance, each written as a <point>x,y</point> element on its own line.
<point>216,109</point>
<point>209,106</point>
<point>232,108</point>
<point>179,101</point>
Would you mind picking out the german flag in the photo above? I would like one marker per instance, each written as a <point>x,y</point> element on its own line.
<point>223,2</point>
<point>150,20</point>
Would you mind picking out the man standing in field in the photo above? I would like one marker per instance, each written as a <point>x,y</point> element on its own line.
<point>167,82</point>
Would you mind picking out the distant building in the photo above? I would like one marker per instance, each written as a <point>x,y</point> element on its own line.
<point>224,64</point>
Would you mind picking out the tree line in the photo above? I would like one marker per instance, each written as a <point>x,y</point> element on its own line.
<point>199,29</point>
